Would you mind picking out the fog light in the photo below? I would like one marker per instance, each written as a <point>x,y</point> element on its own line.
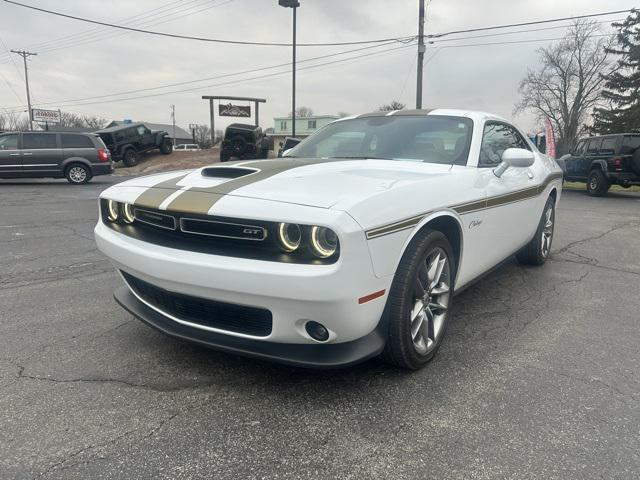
<point>317,331</point>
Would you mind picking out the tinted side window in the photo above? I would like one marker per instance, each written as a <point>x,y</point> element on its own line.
<point>594,146</point>
<point>39,141</point>
<point>9,142</point>
<point>496,138</point>
<point>608,146</point>
<point>580,147</point>
<point>629,144</point>
<point>76,141</point>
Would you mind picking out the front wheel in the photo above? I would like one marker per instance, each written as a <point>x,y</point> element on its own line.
<point>597,184</point>
<point>419,302</point>
<point>166,147</point>
<point>537,250</point>
<point>130,158</point>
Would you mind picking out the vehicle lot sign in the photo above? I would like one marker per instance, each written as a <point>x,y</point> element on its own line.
<point>46,116</point>
<point>230,110</point>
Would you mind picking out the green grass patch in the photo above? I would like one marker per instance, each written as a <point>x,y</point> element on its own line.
<point>614,188</point>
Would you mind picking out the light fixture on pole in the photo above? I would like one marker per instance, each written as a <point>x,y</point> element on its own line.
<point>294,4</point>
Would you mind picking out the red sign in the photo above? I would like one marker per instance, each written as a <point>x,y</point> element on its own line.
<point>550,147</point>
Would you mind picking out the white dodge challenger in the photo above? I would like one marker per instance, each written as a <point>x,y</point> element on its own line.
<point>350,247</point>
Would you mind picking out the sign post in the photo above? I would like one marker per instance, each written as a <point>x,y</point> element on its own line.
<point>192,127</point>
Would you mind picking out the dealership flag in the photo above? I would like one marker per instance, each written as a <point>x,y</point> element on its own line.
<point>550,147</point>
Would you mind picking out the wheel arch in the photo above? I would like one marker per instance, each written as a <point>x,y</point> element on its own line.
<point>599,165</point>
<point>70,161</point>
<point>449,223</point>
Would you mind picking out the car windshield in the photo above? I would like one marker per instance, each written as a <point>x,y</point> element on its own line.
<point>419,138</point>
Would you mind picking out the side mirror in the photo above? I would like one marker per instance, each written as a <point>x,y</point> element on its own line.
<point>514,157</point>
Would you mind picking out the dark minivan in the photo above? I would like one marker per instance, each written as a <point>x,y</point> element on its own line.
<point>75,156</point>
<point>604,161</point>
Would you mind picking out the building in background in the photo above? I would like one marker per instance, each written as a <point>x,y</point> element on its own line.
<point>305,126</point>
<point>182,136</point>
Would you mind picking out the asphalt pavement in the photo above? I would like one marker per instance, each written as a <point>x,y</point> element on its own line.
<point>539,376</point>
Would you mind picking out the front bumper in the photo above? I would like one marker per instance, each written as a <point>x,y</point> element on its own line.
<point>300,355</point>
<point>293,293</point>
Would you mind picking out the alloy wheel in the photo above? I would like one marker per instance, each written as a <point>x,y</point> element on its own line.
<point>430,300</point>
<point>547,232</point>
<point>77,174</point>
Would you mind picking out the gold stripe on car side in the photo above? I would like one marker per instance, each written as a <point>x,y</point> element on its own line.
<point>469,207</point>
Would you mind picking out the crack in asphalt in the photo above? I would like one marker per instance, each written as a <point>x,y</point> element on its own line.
<point>60,465</point>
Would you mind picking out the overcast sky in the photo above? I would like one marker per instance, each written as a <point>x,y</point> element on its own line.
<point>78,60</point>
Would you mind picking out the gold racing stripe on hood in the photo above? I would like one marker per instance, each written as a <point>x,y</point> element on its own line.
<point>200,200</point>
<point>155,195</point>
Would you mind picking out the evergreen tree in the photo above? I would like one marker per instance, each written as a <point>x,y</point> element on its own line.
<point>622,87</point>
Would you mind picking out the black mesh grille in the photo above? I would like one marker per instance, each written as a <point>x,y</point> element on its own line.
<point>225,316</point>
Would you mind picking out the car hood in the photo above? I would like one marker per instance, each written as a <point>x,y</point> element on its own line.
<point>322,183</point>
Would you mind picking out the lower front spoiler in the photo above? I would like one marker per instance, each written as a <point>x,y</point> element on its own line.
<point>300,355</point>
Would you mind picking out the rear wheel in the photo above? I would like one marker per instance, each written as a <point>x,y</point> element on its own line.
<point>130,158</point>
<point>77,174</point>
<point>597,183</point>
<point>537,250</point>
<point>224,157</point>
<point>418,306</point>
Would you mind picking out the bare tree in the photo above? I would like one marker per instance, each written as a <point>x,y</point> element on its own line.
<point>343,114</point>
<point>302,112</point>
<point>90,122</point>
<point>203,136</point>
<point>394,105</point>
<point>568,83</point>
<point>13,121</point>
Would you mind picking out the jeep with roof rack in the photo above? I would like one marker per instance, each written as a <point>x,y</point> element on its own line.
<point>126,142</point>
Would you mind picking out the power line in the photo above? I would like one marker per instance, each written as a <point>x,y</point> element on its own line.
<point>523,24</point>
<point>215,77</point>
<point>234,82</point>
<point>205,39</point>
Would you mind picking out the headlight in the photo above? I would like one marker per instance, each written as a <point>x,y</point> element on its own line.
<point>127,213</point>
<point>324,242</point>
<point>289,236</point>
<point>112,210</point>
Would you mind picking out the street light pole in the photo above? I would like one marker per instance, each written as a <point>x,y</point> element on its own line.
<point>294,4</point>
<point>293,80</point>
<point>24,54</point>
<point>421,49</point>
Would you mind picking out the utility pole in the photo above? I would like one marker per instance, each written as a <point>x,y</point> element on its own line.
<point>173,118</point>
<point>421,49</point>
<point>24,54</point>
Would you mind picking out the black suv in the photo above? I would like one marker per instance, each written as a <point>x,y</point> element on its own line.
<point>603,161</point>
<point>76,156</point>
<point>127,141</point>
<point>242,141</point>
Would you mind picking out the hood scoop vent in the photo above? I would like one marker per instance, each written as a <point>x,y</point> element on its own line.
<point>227,172</point>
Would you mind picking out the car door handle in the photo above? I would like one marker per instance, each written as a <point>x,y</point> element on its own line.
<point>14,154</point>
<point>27,153</point>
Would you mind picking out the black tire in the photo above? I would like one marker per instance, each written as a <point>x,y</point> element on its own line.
<point>166,147</point>
<point>538,249</point>
<point>406,290</point>
<point>264,154</point>
<point>597,184</point>
<point>77,174</point>
<point>224,157</point>
<point>130,158</point>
